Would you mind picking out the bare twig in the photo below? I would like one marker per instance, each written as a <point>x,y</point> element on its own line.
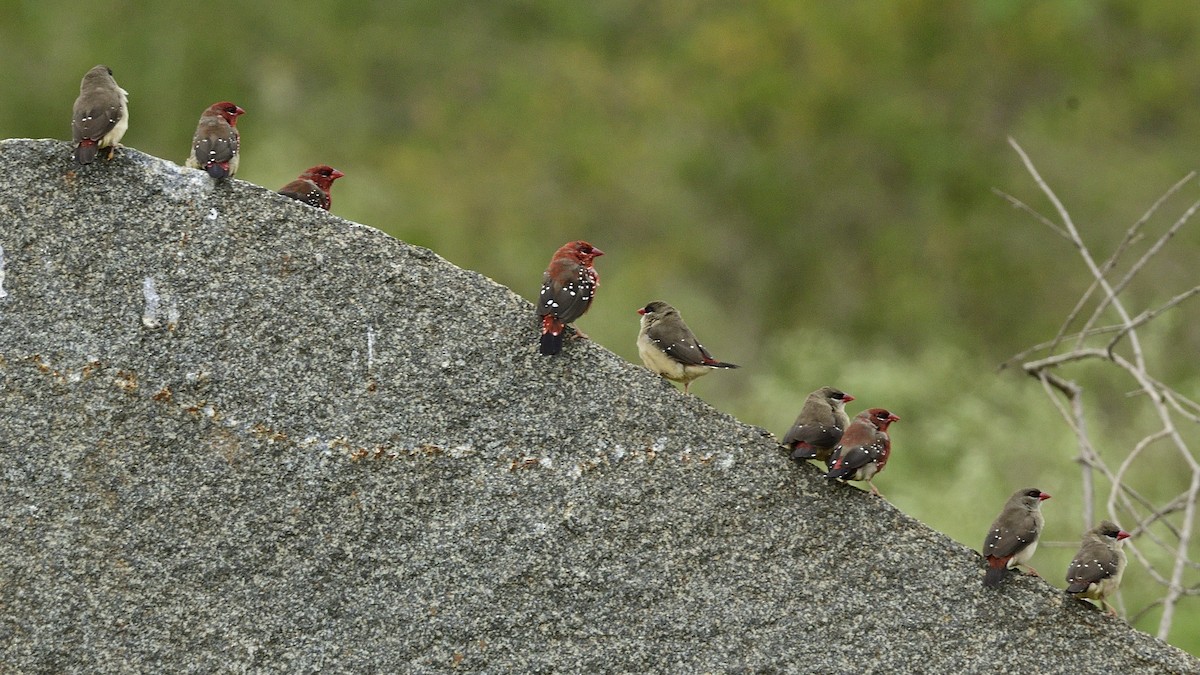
<point>1175,517</point>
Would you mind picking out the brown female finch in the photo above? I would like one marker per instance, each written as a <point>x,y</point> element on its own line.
<point>668,347</point>
<point>1097,568</point>
<point>820,424</point>
<point>215,145</point>
<point>100,115</point>
<point>568,286</point>
<point>864,449</point>
<point>313,187</point>
<point>1014,535</point>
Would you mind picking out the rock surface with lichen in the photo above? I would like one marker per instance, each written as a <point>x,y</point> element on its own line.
<point>240,433</point>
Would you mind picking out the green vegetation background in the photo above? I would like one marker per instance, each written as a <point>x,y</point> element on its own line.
<point>809,182</point>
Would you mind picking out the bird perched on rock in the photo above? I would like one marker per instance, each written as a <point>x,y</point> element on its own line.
<point>1014,535</point>
<point>668,347</point>
<point>215,145</point>
<point>1097,568</point>
<point>864,448</point>
<point>568,286</point>
<point>820,424</point>
<point>100,116</point>
<point>313,186</point>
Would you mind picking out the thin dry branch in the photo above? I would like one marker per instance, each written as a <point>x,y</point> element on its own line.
<point>1089,344</point>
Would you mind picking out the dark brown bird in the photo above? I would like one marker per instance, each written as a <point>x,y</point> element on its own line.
<point>1013,537</point>
<point>100,116</point>
<point>1096,571</point>
<point>820,424</point>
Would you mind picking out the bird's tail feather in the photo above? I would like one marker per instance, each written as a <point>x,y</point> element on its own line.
<point>85,153</point>
<point>804,453</point>
<point>995,574</point>
<point>838,473</point>
<point>552,343</point>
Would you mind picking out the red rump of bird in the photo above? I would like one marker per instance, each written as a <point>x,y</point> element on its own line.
<point>864,449</point>
<point>313,187</point>
<point>568,286</point>
<point>1013,537</point>
<point>215,145</point>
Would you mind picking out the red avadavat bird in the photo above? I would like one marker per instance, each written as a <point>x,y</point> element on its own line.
<point>100,116</point>
<point>1013,537</point>
<point>864,449</point>
<point>314,186</point>
<point>668,347</point>
<point>820,425</point>
<point>215,145</point>
<point>568,286</point>
<point>1097,568</point>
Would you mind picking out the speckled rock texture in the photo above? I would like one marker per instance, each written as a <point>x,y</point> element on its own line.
<point>242,434</point>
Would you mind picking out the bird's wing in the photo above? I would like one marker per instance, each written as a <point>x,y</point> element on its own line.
<point>851,459</point>
<point>212,144</point>
<point>1003,543</point>
<point>305,191</point>
<point>567,301</point>
<point>819,435</point>
<point>682,347</point>
<point>1094,563</point>
<point>96,121</point>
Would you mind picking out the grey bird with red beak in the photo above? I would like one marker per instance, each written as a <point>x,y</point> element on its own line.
<point>864,449</point>
<point>820,424</point>
<point>1013,537</point>
<point>215,145</point>
<point>314,186</point>
<point>100,116</point>
<point>668,347</point>
<point>1096,571</point>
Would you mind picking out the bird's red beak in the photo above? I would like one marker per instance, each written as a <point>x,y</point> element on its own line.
<point>239,110</point>
<point>893,418</point>
<point>596,253</point>
<point>1043,497</point>
<point>846,398</point>
<point>1123,535</point>
<point>336,174</point>
<point>642,311</point>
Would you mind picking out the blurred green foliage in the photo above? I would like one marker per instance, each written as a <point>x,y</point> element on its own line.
<point>810,183</point>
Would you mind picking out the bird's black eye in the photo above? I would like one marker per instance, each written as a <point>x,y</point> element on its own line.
<point>109,70</point>
<point>838,395</point>
<point>647,309</point>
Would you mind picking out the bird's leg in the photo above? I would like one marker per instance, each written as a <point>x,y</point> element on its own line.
<point>874,490</point>
<point>1033,572</point>
<point>578,334</point>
